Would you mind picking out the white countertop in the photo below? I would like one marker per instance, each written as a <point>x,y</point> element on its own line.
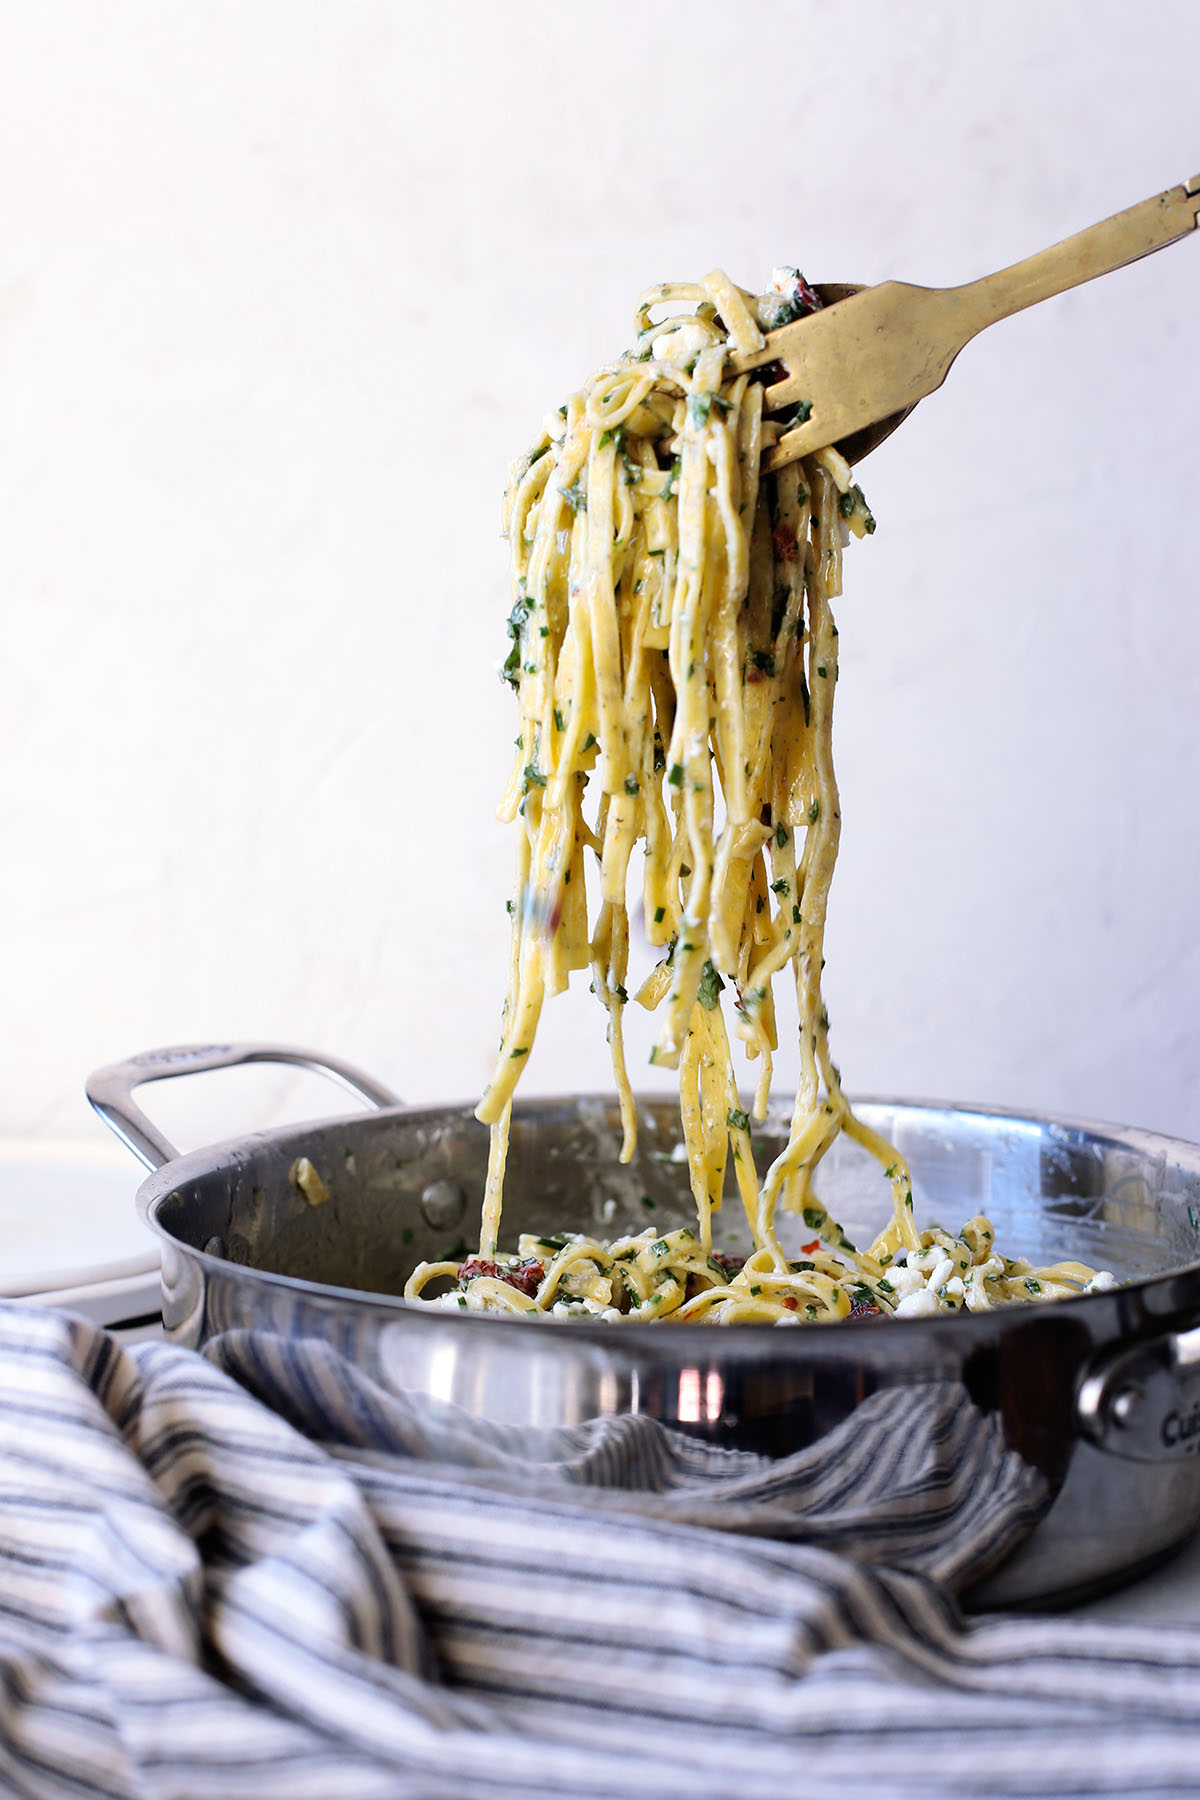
<point>1169,1596</point>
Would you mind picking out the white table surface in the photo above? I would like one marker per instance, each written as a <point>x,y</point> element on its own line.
<point>1168,1596</point>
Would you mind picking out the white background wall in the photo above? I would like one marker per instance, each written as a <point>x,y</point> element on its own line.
<point>254,591</point>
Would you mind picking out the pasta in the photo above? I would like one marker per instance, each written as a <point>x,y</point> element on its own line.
<point>673,650</point>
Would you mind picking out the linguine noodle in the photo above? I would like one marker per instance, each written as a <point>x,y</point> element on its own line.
<point>675,657</point>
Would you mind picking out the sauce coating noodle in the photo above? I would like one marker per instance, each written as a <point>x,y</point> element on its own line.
<point>674,652</point>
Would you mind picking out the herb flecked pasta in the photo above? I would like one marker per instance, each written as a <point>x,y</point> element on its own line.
<point>674,652</point>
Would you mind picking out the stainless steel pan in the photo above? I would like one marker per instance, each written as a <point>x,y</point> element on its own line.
<point>1098,1397</point>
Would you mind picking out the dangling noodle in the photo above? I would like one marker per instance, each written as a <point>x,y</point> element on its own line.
<point>674,653</point>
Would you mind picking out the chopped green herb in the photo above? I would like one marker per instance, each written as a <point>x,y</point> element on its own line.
<point>516,618</point>
<point>795,915</point>
<point>631,784</point>
<point>675,774</point>
<point>764,660</point>
<point>737,1120</point>
<point>588,741</point>
<point>619,994</point>
<point>781,836</point>
<point>660,913</point>
<point>1033,1287</point>
<point>803,412</point>
<point>814,1217</point>
<point>509,907</point>
<point>814,812</point>
<point>821,671</point>
<point>558,720</point>
<point>698,408</point>
<point>406,1236</point>
<point>575,496</point>
<point>710,986</point>
<point>781,887</point>
<point>648,1203</point>
<point>533,776</point>
<point>846,503</point>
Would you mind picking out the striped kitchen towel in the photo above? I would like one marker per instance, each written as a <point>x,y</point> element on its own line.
<point>203,1596</point>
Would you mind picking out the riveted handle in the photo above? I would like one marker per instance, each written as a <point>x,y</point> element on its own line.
<point>111,1089</point>
<point>1142,1401</point>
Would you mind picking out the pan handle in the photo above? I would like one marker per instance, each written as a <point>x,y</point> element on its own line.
<point>1142,1401</point>
<point>110,1089</point>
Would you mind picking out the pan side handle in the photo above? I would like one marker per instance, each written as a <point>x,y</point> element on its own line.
<point>111,1089</point>
<point>1142,1401</point>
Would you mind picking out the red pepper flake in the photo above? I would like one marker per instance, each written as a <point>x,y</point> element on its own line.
<point>791,1302</point>
<point>525,1276</point>
<point>809,1248</point>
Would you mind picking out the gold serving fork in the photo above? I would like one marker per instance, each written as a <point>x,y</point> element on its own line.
<point>858,366</point>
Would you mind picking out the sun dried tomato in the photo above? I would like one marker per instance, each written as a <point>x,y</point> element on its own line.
<point>525,1276</point>
<point>866,1309</point>
<point>805,296</point>
<point>787,548</point>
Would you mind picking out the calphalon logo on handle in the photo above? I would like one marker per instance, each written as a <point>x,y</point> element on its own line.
<point>1181,1431</point>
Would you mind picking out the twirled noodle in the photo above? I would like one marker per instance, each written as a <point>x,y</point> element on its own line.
<point>672,640</point>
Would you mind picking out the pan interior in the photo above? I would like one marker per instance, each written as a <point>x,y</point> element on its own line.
<point>405,1186</point>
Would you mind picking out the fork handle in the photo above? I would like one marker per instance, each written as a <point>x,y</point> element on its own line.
<point>1101,248</point>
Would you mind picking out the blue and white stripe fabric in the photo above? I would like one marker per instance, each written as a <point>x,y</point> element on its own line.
<point>201,1596</point>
